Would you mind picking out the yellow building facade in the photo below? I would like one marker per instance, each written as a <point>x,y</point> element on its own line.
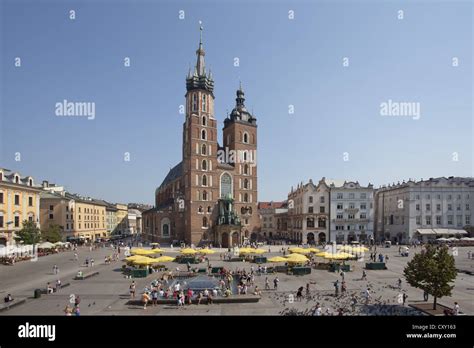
<point>19,201</point>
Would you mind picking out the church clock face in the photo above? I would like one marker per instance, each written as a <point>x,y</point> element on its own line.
<point>226,186</point>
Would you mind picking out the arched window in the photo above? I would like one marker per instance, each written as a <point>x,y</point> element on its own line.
<point>204,221</point>
<point>204,103</point>
<point>226,185</point>
<point>195,102</point>
<point>244,154</point>
<point>204,165</point>
<point>204,195</point>
<point>246,197</point>
<point>165,227</point>
<point>203,134</point>
<point>246,169</point>
<point>246,183</point>
<point>200,209</point>
<point>17,179</point>
<point>204,123</point>
<point>246,138</point>
<point>209,209</point>
<point>31,182</point>
<point>204,180</point>
<point>203,149</point>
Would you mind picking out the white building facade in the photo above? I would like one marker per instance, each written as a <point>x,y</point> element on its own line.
<point>351,213</point>
<point>438,203</point>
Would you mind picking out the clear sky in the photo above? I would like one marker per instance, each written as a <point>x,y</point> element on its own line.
<point>283,62</point>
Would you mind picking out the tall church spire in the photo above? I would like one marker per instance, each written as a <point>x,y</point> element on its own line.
<point>200,65</point>
<point>199,78</point>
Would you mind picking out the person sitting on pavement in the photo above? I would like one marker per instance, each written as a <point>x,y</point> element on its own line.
<point>8,298</point>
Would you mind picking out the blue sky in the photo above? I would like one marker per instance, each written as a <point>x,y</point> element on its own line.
<point>282,62</point>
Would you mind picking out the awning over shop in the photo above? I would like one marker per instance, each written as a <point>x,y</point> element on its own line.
<point>439,231</point>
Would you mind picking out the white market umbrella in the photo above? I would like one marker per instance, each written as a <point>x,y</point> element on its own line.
<point>46,245</point>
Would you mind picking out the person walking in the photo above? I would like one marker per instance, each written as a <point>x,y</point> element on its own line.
<point>145,299</point>
<point>58,285</point>
<point>343,287</point>
<point>425,296</point>
<point>342,274</point>
<point>364,275</point>
<point>267,284</point>
<point>76,258</point>
<point>399,283</point>
<point>317,310</point>
<point>307,290</point>
<point>404,297</point>
<point>92,262</point>
<point>132,289</point>
<point>336,288</point>
<point>456,309</point>
<point>275,283</point>
<point>367,296</point>
<point>299,293</point>
<point>55,269</point>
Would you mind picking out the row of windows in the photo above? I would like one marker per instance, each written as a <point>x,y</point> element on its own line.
<point>449,220</point>
<point>17,199</point>
<point>340,216</point>
<point>438,207</point>
<point>204,102</point>
<point>16,220</point>
<point>350,228</point>
<point>351,195</point>
<point>321,199</point>
<point>448,197</point>
<point>244,137</point>
<point>362,206</point>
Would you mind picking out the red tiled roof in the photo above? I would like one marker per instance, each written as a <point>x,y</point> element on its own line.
<point>269,205</point>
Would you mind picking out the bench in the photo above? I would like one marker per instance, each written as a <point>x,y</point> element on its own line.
<point>15,302</point>
<point>45,290</point>
<point>85,276</point>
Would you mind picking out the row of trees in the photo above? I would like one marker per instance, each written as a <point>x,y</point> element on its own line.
<point>31,234</point>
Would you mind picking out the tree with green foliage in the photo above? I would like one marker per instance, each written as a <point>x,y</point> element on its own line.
<point>29,234</point>
<point>52,234</point>
<point>432,271</point>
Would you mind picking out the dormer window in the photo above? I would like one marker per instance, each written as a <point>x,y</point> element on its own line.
<point>17,179</point>
<point>30,182</point>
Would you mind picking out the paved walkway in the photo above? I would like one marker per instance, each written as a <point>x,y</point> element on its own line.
<point>107,293</point>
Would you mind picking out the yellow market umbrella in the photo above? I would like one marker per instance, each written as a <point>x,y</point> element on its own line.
<point>299,251</point>
<point>164,259</point>
<point>277,259</point>
<point>134,258</point>
<point>206,251</point>
<point>145,261</point>
<point>246,251</point>
<point>313,250</point>
<point>296,258</point>
<point>156,251</point>
<point>188,251</point>
<point>259,251</point>
<point>142,252</point>
<point>323,254</point>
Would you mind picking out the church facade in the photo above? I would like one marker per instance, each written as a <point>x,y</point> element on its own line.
<point>211,195</point>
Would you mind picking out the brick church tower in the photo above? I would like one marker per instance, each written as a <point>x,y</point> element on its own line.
<point>240,135</point>
<point>199,150</point>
